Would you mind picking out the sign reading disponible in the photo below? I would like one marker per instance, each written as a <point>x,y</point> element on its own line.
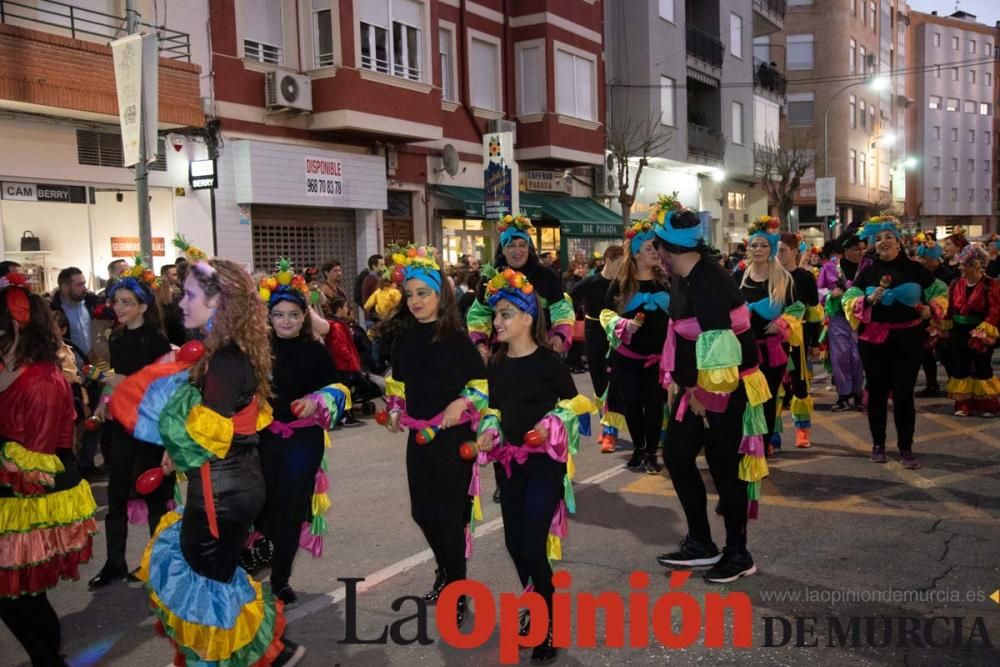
<point>324,177</point>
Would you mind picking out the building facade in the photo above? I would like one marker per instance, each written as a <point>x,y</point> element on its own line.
<point>61,174</point>
<point>951,123</point>
<point>846,99</point>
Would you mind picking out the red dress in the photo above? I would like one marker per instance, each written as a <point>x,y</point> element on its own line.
<point>46,509</point>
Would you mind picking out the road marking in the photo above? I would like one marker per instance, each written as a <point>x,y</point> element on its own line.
<point>417,559</point>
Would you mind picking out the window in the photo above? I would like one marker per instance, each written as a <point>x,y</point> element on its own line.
<point>987,49</point>
<point>737,123</point>
<point>972,194</point>
<point>971,165</point>
<point>322,22</point>
<point>934,102</point>
<point>871,14</point>
<point>985,109</point>
<point>864,116</point>
<point>794,3</point>
<point>736,35</point>
<point>968,106</point>
<point>937,39</point>
<point>667,10</point>
<point>954,134</point>
<point>972,46</point>
<point>262,40</point>
<point>852,56</point>
<point>954,43</point>
<point>936,132</point>
<point>852,161</point>
<point>854,7</point>
<point>871,117</point>
<point>989,137</point>
<point>952,104</point>
<point>937,194</point>
<point>861,168</point>
<point>972,136</point>
<point>800,52</point>
<point>530,77</point>
<point>936,163</point>
<point>402,56</point>
<point>954,194</point>
<point>484,74</point>
<point>986,166</point>
<point>852,105</point>
<point>954,164</point>
<point>937,71</point>
<point>987,79</point>
<point>766,120</point>
<point>667,101</point>
<point>970,76</point>
<point>575,83</point>
<point>986,195</point>
<point>446,50</point>
<point>800,109</point>
<point>736,200</point>
<point>953,73</point>
<point>862,60</point>
<point>762,48</point>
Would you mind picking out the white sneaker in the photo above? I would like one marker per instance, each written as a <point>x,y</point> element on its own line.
<point>960,413</point>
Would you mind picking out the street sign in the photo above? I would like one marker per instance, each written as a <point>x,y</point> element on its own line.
<point>826,196</point>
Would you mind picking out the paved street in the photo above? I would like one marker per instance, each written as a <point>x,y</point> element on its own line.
<point>838,536</point>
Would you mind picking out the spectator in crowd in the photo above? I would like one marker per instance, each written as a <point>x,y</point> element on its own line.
<point>115,269</point>
<point>471,284</point>
<point>332,274</point>
<point>9,267</point>
<point>547,259</point>
<point>368,280</point>
<point>78,303</point>
<point>168,275</point>
<point>383,301</point>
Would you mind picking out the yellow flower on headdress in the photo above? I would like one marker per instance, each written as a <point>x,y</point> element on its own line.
<point>284,280</point>
<point>766,224</point>
<point>411,255</point>
<point>520,221</point>
<point>664,204</point>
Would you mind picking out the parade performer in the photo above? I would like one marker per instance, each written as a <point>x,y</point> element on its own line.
<point>799,374</point>
<point>136,342</point>
<point>436,390</point>
<point>951,246</point>
<point>532,429</point>
<point>46,508</point>
<point>307,403</point>
<point>972,322</point>
<point>710,368</point>
<point>886,303</point>
<point>592,292</point>
<point>845,361</point>
<point>775,315</point>
<point>930,254</point>
<point>635,321</point>
<point>206,408</point>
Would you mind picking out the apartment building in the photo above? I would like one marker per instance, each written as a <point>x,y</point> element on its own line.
<point>395,98</point>
<point>61,174</point>
<point>951,123</point>
<point>846,98</point>
<point>690,64</point>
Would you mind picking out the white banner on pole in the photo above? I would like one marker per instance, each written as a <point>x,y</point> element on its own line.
<point>135,59</point>
<point>826,196</point>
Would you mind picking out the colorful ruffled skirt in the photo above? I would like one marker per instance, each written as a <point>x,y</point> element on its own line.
<point>46,520</point>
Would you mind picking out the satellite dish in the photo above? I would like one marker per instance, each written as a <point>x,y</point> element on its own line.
<point>449,160</point>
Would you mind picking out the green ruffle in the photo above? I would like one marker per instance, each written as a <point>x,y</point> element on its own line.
<point>561,312</point>
<point>852,293</point>
<point>796,310</point>
<point>936,289</point>
<point>477,392</point>
<point>717,348</point>
<point>185,452</point>
<point>479,319</point>
<point>490,421</point>
<point>754,421</point>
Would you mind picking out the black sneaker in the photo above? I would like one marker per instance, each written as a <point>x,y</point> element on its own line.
<point>691,554</point>
<point>878,454</point>
<point>351,421</point>
<point>287,595</point>
<point>652,467</point>
<point>842,405</point>
<point>291,655</point>
<point>545,652</point>
<point>731,567</point>
<point>496,496</point>
<point>930,392</point>
<point>638,458</point>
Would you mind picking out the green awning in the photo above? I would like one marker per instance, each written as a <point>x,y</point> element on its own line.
<point>576,216</point>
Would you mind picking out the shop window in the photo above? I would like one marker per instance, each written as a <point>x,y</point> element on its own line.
<point>104,149</point>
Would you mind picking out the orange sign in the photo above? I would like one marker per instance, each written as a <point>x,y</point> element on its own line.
<point>128,246</point>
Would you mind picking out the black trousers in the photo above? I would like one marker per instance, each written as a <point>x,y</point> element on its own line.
<point>128,458</point>
<point>596,342</point>
<point>892,367</point>
<point>528,499</point>
<point>289,468</point>
<point>774,375</point>
<point>440,503</point>
<point>929,364</point>
<point>642,398</point>
<point>721,440</point>
<point>797,381</point>
<point>33,621</point>
<point>238,490</point>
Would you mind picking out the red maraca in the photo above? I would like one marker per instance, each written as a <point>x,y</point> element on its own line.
<point>92,423</point>
<point>639,318</point>
<point>191,351</point>
<point>149,481</point>
<point>468,451</point>
<point>382,417</point>
<point>425,435</point>
<point>533,438</point>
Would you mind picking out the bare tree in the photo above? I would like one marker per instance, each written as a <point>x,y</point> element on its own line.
<point>638,140</point>
<point>782,170</point>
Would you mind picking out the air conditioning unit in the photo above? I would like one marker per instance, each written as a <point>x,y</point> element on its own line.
<point>285,91</point>
<point>606,177</point>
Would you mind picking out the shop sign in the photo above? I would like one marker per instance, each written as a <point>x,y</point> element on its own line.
<point>602,230</point>
<point>45,192</point>
<point>500,197</point>
<point>128,246</point>
<point>826,194</point>
<point>544,180</point>
<point>324,177</point>
<point>201,175</point>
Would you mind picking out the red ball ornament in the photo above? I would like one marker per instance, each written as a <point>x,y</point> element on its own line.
<point>191,351</point>
<point>92,423</point>
<point>149,481</point>
<point>382,417</point>
<point>533,438</point>
<point>468,451</point>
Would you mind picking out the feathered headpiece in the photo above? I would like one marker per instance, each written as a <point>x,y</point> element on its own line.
<point>515,227</point>
<point>767,227</point>
<point>139,280</point>
<point>284,285</point>
<point>416,262</point>
<point>511,285</point>
<point>881,223</point>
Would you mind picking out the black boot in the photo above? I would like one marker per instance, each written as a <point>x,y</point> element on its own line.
<point>637,460</point>
<point>461,611</point>
<point>440,581</point>
<point>115,568</point>
<point>545,652</point>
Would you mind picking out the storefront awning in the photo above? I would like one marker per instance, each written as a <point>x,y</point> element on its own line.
<point>576,216</point>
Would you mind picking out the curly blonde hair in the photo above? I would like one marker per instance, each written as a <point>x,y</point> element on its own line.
<point>240,318</point>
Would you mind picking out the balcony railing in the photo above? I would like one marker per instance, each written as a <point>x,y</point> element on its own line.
<point>768,78</point>
<point>706,141</point>
<point>772,7</point>
<point>63,18</point>
<point>704,47</point>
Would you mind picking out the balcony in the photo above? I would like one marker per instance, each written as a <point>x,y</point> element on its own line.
<point>61,18</point>
<point>704,47</point>
<point>768,78</point>
<point>705,143</point>
<point>768,16</point>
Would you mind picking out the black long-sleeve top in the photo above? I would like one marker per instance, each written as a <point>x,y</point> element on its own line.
<point>709,294</point>
<point>229,385</point>
<point>754,291</point>
<point>434,371</point>
<point>901,270</point>
<point>132,349</point>
<point>302,365</point>
<point>591,293</point>
<point>648,339</point>
<point>525,389</point>
<point>807,292</point>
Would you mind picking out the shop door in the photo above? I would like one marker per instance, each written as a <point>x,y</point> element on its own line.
<point>307,236</point>
<point>397,219</point>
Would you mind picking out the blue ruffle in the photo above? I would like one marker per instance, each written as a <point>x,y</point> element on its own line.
<point>187,594</point>
<point>147,424</point>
